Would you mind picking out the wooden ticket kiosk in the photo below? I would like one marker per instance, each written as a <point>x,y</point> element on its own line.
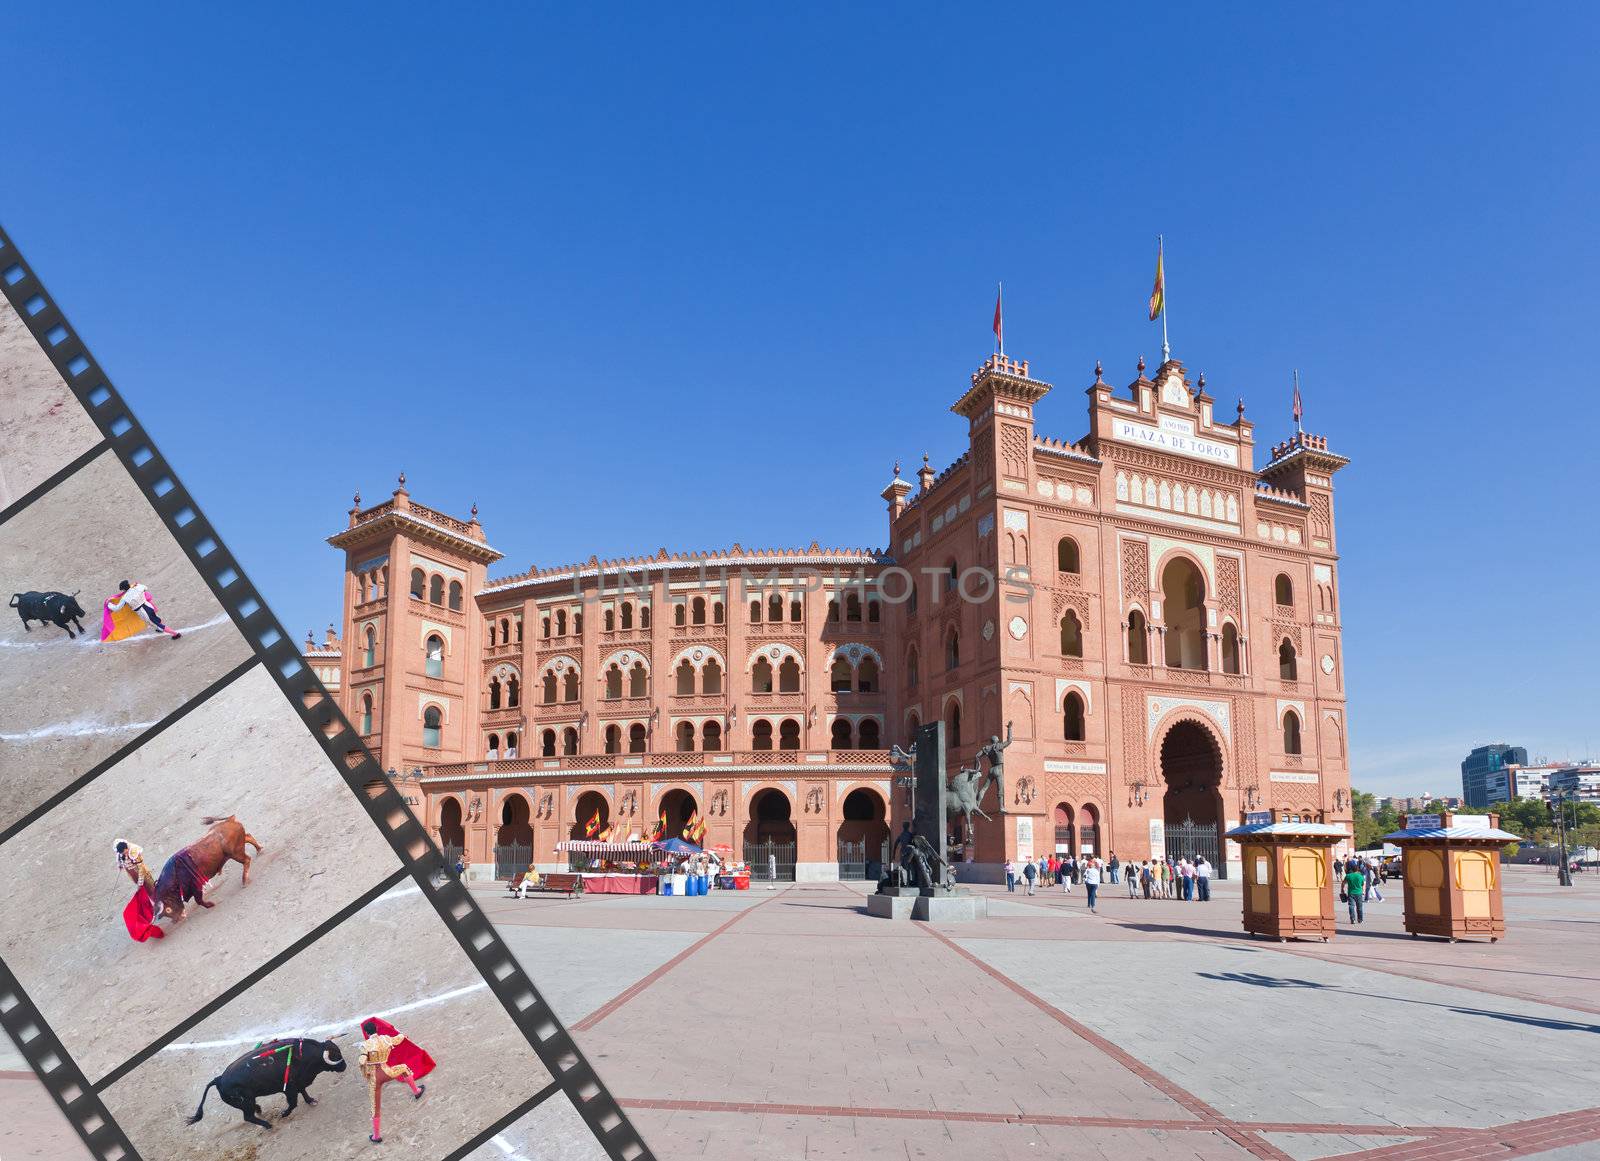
<point>1451,866</point>
<point>1288,873</point>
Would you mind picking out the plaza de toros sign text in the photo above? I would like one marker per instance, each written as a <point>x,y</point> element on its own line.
<point>1176,435</point>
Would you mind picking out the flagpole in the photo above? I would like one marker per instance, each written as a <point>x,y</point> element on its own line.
<point>1297,428</point>
<point>1161,260</point>
<point>999,313</point>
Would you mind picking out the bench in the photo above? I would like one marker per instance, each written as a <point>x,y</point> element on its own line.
<point>551,884</point>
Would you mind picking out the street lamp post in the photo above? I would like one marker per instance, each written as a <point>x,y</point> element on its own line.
<point>1558,800</point>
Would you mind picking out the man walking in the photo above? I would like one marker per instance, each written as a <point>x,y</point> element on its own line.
<point>1355,888</point>
<point>1113,866</point>
<point>1011,876</point>
<point>1030,872</point>
<point>1202,879</point>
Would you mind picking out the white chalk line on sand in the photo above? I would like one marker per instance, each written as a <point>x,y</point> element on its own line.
<point>347,1025</point>
<point>90,638</point>
<point>507,1148</point>
<point>78,729</point>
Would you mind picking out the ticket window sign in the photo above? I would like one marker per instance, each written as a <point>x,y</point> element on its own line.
<point>1025,838</point>
<point>1423,822</point>
<point>1263,870</point>
<point>1258,817</point>
<point>1158,838</point>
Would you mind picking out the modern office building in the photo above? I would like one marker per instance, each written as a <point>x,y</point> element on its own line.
<point>1483,761</point>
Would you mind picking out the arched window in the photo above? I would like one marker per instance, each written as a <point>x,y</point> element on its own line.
<point>436,589</point>
<point>1230,648</point>
<point>1138,639</point>
<point>1287,670</point>
<point>561,622</point>
<point>419,583</point>
<point>1072,717</point>
<point>513,692</point>
<point>789,734</point>
<point>511,744</point>
<point>569,685</point>
<point>547,744</point>
<point>636,738</point>
<point>549,684</point>
<point>432,727</point>
<point>685,677</point>
<point>614,681</point>
<point>519,628</point>
<point>366,713</point>
<point>852,607</point>
<point>434,654</point>
<point>505,630</point>
<point>761,676</point>
<point>833,610</point>
<point>797,610</point>
<point>370,656</point>
<point>775,607</point>
<point>697,611</point>
<point>577,624</point>
<point>1071,635</point>
<point>717,613</point>
<point>494,693</point>
<point>840,734</point>
<point>455,595</point>
<point>638,680</point>
<point>609,620</point>
<point>755,612</point>
<point>761,736</point>
<point>1291,732</point>
<point>711,677</point>
<point>874,612</point>
<point>627,614</point>
<point>867,676</point>
<point>952,575</point>
<point>1183,591</point>
<point>644,616</point>
<point>544,626</point>
<point>841,676</point>
<point>491,634</point>
<point>789,676</point>
<point>1283,590</point>
<point>613,739</point>
<point>911,597</point>
<point>711,736</point>
<point>494,746</point>
<point>680,615</point>
<point>952,726</point>
<point>913,668</point>
<point>867,734</point>
<point>1067,558</point>
<point>952,650</point>
<point>685,736</point>
<point>913,726</point>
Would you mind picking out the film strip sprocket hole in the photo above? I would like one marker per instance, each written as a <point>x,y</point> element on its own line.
<point>388,810</point>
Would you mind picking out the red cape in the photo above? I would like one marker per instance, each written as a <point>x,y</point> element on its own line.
<point>138,914</point>
<point>407,1052</point>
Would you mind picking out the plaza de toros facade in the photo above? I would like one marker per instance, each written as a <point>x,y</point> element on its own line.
<point>1155,618</point>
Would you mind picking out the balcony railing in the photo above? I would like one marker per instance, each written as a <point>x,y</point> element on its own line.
<point>704,760</point>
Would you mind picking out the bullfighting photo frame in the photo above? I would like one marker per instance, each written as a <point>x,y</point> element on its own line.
<point>219,700</point>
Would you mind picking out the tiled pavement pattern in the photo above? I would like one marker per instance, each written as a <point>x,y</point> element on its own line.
<point>788,1024</point>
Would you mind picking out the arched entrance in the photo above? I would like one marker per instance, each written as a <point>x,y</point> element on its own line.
<point>678,806</point>
<point>513,842</point>
<point>1191,767</point>
<point>862,835</point>
<point>591,816</point>
<point>452,834</point>
<point>1066,842</point>
<point>769,836</point>
<point>1089,830</point>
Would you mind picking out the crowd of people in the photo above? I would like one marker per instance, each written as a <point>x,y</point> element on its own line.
<point>1168,878</point>
<point>1360,879</point>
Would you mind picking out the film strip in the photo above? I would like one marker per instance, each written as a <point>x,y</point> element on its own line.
<point>277,654</point>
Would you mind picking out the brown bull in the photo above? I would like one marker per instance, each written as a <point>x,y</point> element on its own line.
<point>185,873</point>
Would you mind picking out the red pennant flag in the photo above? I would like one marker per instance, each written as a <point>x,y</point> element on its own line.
<point>999,325</point>
<point>1297,399</point>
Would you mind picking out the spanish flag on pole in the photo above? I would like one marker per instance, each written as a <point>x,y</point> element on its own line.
<point>1158,294</point>
<point>592,826</point>
<point>699,835</point>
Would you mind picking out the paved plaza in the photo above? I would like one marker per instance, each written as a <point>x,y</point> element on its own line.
<point>788,1024</point>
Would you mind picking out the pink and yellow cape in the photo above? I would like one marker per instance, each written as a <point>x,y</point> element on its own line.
<point>120,624</point>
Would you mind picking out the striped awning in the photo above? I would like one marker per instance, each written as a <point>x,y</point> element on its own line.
<point>596,847</point>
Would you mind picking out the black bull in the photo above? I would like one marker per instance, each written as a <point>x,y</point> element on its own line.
<point>49,608</point>
<point>286,1066</point>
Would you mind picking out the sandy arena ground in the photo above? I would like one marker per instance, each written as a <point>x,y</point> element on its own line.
<point>244,753</point>
<point>69,704</point>
<point>43,427</point>
<point>395,959</point>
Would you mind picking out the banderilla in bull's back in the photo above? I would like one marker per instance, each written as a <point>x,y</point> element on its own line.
<point>186,873</point>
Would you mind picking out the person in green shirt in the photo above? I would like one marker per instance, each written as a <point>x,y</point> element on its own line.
<point>1355,887</point>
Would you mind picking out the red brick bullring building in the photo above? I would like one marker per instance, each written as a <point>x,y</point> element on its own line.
<point>1155,617</point>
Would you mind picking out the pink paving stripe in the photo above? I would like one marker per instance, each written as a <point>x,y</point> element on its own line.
<point>1245,1138</point>
<point>627,994</point>
<point>1517,1139</point>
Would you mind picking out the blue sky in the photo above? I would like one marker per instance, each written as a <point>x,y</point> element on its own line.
<point>678,276</point>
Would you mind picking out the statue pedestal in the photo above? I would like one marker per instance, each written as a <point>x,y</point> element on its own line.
<point>943,908</point>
